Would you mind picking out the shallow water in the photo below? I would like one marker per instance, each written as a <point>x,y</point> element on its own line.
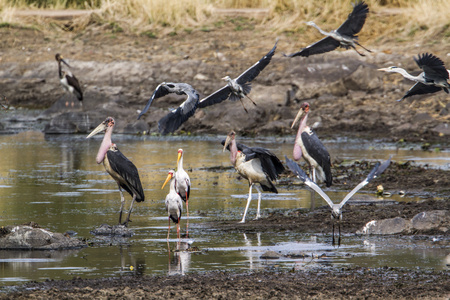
<point>55,182</point>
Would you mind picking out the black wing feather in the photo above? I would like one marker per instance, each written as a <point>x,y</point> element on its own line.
<point>432,66</point>
<point>73,81</point>
<point>421,89</point>
<point>326,44</point>
<point>319,153</point>
<point>128,171</point>
<point>254,70</point>
<point>173,120</point>
<point>216,97</point>
<point>355,20</point>
<point>159,92</point>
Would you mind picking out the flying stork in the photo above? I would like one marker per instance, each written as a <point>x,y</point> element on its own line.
<point>434,77</point>
<point>308,145</point>
<point>173,120</point>
<point>121,169</point>
<point>68,80</point>
<point>240,87</point>
<point>174,204</point>
<point>345,36</point>
<point>336,209</point>
<point>257,165</point>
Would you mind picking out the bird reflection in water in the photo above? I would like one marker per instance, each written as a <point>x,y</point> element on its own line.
<point>180,258</point>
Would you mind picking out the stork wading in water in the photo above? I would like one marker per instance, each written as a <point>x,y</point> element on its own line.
<point>173,120</point>
<point>308,145</point>
<point>345,36</point>
<point>174,203</point>
<point>434,77</point>
<point>257,165</point>
<point>336,209</point>
<point>68,80</point>
<point>240,87</point>
<point>121,169</point>
<point>183,184</point>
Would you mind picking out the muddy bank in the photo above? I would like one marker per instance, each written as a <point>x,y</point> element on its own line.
<point>348,96</point>
<point>297,284</point>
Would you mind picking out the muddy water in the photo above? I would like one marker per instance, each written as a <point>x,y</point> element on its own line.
<point>55,182</point>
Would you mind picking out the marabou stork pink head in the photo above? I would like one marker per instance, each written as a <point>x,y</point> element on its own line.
<point>304,110</point>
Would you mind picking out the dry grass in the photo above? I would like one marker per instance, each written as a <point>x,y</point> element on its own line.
<point>392,20</point>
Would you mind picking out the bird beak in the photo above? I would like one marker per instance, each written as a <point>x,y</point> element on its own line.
<point>383,69</point>
<point>65,62</point>
<point>179,157</point>
<point>227,142</point>
<point>167,180</point>
<point>99,128</point>
<point>300,114</point>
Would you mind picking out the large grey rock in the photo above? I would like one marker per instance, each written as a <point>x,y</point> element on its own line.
<point>387,226</point>
<point>25,237</point>
<point>428,220</point>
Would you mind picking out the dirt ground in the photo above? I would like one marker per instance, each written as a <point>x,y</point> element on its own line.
<point>433,186</point>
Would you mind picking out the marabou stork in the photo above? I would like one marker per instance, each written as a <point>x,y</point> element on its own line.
<point>433,78</point>
<point>257,165</point>
<point>121,169</point>
<point>240,87</point>
<point>173,120</point>
<point>308,145</point>
<point>182,181</point>
<point>336,209</point>
<point>345,36</point>
<point>68,80</point>
<point>174,204</point>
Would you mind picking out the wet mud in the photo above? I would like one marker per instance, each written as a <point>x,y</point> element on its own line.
<point>390,283</point>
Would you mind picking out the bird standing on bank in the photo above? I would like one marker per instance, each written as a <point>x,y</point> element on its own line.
<point>240,87</point>
<point>173,120</point>
<point>257,165</point>
<point>345,36</point>
<point>121,169</point>
<point>434,77</point>
<point>174,204</point>
<point>308,145</point>
<point>68,80</point>
<point>336,209</point>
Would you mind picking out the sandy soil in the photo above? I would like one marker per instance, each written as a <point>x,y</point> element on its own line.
<point>104,44</point>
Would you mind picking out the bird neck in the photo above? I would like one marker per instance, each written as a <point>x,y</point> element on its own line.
<point>172,185</point>
<point>233,151</point>
<point>180,164</point>
<point>320,30</point>
<point>406,74</point>
<point>302,125</point>
<point>106,144</point>
<point>61,75</point>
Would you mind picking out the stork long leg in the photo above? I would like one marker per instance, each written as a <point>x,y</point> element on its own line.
<point>168,232</point>
<point>251,100</point>
<point>258,215</point>
<point>187,209</point>
<point>357,43</point>
<point>242,102</point>
<point>354,48</point>
<point>339,238</point>
<point>248,203</point>
<point>122,202</point>
<point>131,208</point>
<point>332,241</point>
<point>313,171</point>
<point>178,229</point>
